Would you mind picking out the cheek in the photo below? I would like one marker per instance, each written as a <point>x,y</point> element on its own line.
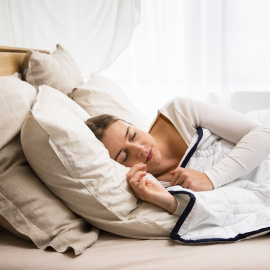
<point>147,139</point>
<point>156,161</point>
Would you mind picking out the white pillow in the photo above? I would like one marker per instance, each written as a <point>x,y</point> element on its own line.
<point>76,167</point>
<point>100,95</point>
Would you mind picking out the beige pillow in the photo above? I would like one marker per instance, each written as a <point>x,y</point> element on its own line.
<point>27,208</point>
<point>76,167</point>
<point>16,97</point>
<point>58,70</point>
<point>100,95</point>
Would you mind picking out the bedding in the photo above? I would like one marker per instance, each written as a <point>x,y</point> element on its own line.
<point>237,211</point>
<point>27,207</point>
<point>144,220</point>
<point>99,95</point>
<point>57,69</point>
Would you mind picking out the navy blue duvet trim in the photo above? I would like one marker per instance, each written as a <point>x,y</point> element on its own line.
<point>175,236</point>
<point>193,149</point>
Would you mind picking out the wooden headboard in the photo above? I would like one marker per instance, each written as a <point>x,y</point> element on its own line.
<point>11,59</point>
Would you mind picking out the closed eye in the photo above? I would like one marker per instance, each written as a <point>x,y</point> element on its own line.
<point>125,159</point>
<point>133,137</point>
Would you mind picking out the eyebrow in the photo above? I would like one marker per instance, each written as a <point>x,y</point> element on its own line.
<point>122,148</point>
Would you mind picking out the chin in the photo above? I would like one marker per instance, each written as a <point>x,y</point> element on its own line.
<point>149,169</point>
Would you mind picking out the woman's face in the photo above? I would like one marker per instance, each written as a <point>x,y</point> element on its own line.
<point>129,145</point>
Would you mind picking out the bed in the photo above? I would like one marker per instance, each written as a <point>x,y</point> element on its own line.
<point>40,231</point>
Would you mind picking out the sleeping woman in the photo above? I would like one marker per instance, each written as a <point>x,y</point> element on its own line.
<point>173,138</point>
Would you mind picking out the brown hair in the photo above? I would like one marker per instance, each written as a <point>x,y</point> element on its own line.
<point>100,123</point>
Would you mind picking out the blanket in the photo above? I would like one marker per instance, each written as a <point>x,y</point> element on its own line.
<point>233,212</point>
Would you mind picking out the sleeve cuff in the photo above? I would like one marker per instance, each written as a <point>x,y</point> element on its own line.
<point>181,205</point>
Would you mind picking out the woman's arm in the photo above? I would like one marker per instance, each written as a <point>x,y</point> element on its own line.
<point>149,191</point>
<point>252,139</point>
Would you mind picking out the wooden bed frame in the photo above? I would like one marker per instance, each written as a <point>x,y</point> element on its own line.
<point>11,59</point>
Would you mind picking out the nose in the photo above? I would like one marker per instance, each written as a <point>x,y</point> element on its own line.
<point>137,149</point>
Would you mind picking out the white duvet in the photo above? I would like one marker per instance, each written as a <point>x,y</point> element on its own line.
<point>233,212</point>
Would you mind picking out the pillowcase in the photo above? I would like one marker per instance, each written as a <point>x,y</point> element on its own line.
<point>76,167</point>
<point>27,208</point>
<point>57,69</point>
<point>16,97</point>
<point>100,95</point>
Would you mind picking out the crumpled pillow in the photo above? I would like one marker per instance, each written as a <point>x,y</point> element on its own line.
<point>57,69</point>
<point>27,208</point>
<point>100,95</point>
<point>77,168</point>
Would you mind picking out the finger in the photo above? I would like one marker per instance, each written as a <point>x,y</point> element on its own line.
<point>185,184</point>
<point>178,169</point>
<point>173,181</point>
<point>136,178</point>
<point>137,188</point>
<point>135,168</point>
<point>141,188</point>
<point>142,182</point>
<point>177,179</point>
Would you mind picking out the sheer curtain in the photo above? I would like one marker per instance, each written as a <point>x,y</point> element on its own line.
<point>213,50</point>
<point>93,32</point>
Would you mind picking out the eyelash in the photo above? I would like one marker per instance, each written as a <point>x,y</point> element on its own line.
<point>133,137</point>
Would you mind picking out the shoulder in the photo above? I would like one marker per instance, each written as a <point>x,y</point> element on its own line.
<point>178,101</point>
<point>182,105</point>
<point>161,123</point>
<point>178,115</point>
<point>183,109</point>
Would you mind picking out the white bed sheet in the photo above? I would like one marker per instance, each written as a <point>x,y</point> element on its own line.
<point>114,252</point>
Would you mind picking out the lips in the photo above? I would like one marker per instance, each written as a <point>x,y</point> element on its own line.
<point>150,155</point>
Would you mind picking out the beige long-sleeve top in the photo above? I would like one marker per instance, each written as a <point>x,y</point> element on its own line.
<point>251,139</point>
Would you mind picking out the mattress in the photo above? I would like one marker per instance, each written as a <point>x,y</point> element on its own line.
<point>115,252</point>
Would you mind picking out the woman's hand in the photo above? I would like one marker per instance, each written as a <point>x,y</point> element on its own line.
<point>150,191</point>
<point>191,179</point>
